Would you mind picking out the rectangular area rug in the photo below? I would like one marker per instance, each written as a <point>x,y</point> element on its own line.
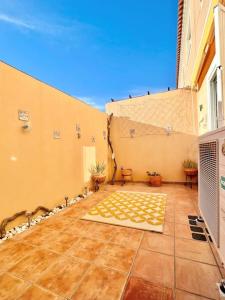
<point>131,209</point>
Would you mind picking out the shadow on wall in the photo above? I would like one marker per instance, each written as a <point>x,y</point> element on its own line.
<point>155,133</point>
<point>143,147</point>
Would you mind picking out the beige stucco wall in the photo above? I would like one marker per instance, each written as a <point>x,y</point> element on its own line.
<point>37,169</point>
<point>202,108</point>
<point>151,148</point>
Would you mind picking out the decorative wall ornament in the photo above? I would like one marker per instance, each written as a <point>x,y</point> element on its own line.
<point>25,213</point>
<point>56,134</point>
<point>109,121</point>
<point>23,115</point>
<point>93,139</point>
<point>78,131</point>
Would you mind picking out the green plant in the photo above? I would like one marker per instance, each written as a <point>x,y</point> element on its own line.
<point>152,173</point>
<point>97,169</point>
<point>190,164</point>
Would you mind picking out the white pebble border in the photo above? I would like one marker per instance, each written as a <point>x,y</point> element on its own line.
<point>25,226</point>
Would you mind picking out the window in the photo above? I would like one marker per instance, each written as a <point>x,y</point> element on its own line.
<point>213,102</point>
<point>188,39</point>
<point>214,106</point>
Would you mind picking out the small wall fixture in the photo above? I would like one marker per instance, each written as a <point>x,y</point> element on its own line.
<point>104,134</point>
<point>26,126</point>
<point>56,134</point>
<point>132,133</point>
<point>169,130</point>
<point>23,115</point>
<point>93,139</point>
<point>78,131</point>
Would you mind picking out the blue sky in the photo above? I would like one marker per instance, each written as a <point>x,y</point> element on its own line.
<point>92,49</point>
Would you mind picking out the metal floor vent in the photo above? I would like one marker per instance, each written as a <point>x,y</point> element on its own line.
<point>209,186</point>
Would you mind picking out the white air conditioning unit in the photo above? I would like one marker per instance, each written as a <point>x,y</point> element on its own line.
<point>212,186</point>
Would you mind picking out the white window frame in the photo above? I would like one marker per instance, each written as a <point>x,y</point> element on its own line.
<point>188,38</point>
<point>209,77</point>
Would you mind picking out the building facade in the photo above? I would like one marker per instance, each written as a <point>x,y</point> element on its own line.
<point>200,58</point>
<point>201,68</point>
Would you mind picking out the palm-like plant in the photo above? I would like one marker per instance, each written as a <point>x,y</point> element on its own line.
<point>97,169</point>
<point>190,164</point>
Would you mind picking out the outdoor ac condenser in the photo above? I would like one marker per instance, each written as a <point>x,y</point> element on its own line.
<point>212,186</point>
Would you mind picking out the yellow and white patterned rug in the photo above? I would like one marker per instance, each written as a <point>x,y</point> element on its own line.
<point>131,209</point>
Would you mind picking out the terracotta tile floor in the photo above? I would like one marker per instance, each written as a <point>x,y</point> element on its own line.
<point>68,258</point>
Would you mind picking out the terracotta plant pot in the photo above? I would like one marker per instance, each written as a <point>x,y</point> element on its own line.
<point>191,171</point>
<point>99,178</point>
<point>155,180</point>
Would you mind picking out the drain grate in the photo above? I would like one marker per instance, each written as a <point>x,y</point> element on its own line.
<point>196,229</point>
<point>192,217</point>
<point>192,222</point>
<point>199,237</point>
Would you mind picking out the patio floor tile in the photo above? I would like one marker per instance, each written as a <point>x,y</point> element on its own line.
<point>62,243</point>
<point>139,289</point>
<point>194,250</point>
<point>32,266</point>
<point>12,252</point>
<point>100,283</point>
<point>39,236</point>
<point>63,276</point>
<point>116,257</point>
<point>169,228</point>
<point>74,212</point>
<point>79,227</point>
<point>88,249</point>
<point>197,278</point>
<point>101,231</point>
<point>183,231</point>
<point>11,286</point>
<point>154,267</point>
<point>182,218</point>
<point>158,242</point>
<point>37,293</point>
<point>169,218</point>
<point>181,295</point>
<point>127,237</point>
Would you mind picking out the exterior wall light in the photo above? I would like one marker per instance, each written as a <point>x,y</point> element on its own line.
<point>93,139</point>
<point>56,134</point>
<point>78,131</point>
<point>132,133</point>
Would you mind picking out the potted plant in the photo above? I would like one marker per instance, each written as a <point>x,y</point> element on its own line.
<point>155,178</point>
<point>190,167</point>
<point>98,174</point>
